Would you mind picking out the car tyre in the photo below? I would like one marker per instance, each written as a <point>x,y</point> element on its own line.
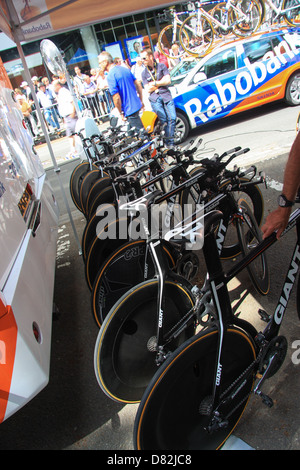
<point>182,128</point>
<point>292,93</point>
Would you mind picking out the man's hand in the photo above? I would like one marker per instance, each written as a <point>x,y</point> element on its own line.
<point>276,220</point>
<point>151,87</point>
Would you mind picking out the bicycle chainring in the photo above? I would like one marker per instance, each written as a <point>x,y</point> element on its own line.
<point>276,349</point>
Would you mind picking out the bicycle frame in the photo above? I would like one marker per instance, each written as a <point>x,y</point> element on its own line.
<point>228,26</point>
<point>225,27</point>
<point>278,10</point>
<point>176,21</point>
<point>188,227</point>
<point>218,281</point>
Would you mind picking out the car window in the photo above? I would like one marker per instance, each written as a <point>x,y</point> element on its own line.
<point>220,63</point>
<point>292,40</point>
<point>179,72</point>
<point>256,50</point>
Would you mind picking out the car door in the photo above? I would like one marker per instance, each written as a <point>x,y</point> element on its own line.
<point>255,74</point>
<point>267,64</point>
<point>211,93</point>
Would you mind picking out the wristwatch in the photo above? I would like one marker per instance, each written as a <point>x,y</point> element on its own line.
<point>284,202</point>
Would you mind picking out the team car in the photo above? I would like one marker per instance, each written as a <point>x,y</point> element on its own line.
<point>28,237</point>
<point>237,76</point>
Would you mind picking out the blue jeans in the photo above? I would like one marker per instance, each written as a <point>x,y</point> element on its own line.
<point>51,117</point>
<point>135,120</point>
<point>166,113</point>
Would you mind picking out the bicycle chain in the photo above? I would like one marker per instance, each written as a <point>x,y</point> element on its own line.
<point>245,372</point>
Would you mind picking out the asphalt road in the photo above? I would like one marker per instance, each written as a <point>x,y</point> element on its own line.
<point>72,412</point>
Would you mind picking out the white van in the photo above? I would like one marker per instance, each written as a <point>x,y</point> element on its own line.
<point>28,236</point>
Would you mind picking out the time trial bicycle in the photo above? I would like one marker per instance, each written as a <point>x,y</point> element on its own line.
<point>197,396</point>
<point>155,316</point>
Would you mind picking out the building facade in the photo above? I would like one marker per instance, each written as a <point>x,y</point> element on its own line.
<point>122,37</point>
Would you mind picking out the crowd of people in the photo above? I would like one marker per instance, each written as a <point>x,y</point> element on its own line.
<point>113,86</point>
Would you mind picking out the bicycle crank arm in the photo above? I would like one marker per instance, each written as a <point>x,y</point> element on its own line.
<point>257,390</point>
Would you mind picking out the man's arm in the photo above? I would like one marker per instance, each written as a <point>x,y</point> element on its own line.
<point>118,103</point>
<point>139,90</point>
<point>278,219</point>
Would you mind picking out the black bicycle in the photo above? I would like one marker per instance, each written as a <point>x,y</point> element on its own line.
<point>197,396</point>
<point>131,263</point>
<point>154,317</point>
<point>154,173</point>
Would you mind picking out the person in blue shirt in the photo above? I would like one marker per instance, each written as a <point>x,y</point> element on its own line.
<point>126,90</point>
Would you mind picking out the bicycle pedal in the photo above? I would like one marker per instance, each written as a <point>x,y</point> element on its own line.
<point>264,315</point>
<point>265,398</point>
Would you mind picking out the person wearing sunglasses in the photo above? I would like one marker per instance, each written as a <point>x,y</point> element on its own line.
<point>156,80</point>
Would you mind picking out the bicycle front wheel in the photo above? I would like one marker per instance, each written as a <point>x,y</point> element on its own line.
<point>200,35</point>
<point>292,16</point>
<point>250,236</point>
<point>249,193</point>
<point>245,17</point>
<point>167,37</point>
<point>220,14</point>
<point>175,408</point>
<point>125,350</point>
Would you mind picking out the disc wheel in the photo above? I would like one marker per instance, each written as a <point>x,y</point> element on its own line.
<point>125,349</point>
<point>76,178</point>
<point>124,269</point>
<point>175,409</point>
<point>93,192</point>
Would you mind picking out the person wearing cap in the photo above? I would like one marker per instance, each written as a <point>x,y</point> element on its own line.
<point>35,82</point>
<point>46,105</point>
<point>27,91</point>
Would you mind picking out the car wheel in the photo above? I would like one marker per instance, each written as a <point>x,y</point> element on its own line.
<point>182,128</point>
<point>292,93</point>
